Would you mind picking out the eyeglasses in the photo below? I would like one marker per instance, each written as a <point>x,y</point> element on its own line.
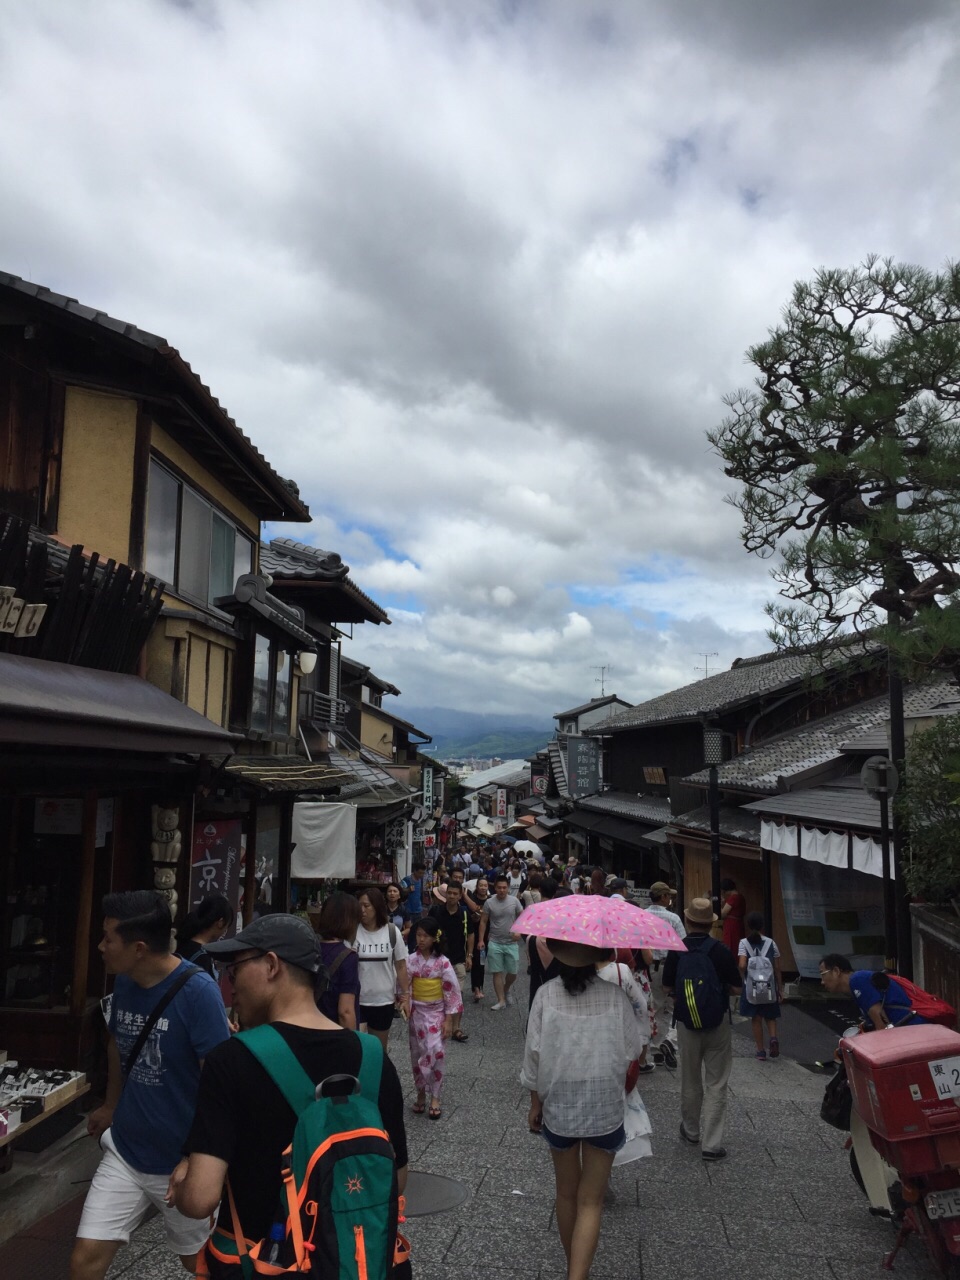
<point>231,969</point>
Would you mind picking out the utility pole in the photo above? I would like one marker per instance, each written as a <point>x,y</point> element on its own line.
<point>706,663</point>
<point>600,678</point>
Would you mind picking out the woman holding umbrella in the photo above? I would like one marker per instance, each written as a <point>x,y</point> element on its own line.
<point>580,1029</point>
<point>583,1030</point>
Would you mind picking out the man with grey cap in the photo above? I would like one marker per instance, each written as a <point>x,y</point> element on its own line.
<point>243,1122</point>
<point>664,1043</point>
<point>703,982</point>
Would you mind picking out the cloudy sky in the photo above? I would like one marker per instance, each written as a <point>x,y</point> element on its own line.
<point>477,274</point>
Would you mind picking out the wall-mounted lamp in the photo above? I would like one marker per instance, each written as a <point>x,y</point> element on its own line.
<point>307,663</point>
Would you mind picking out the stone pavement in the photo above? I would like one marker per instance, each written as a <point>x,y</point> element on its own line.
<point>782,1207</point>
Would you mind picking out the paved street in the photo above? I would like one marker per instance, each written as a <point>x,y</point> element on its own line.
<point>783,1206</point>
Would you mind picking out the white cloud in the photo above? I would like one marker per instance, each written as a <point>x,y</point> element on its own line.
<point>478,277</point>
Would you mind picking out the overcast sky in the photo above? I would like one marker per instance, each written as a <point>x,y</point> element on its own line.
<point>477,275</point>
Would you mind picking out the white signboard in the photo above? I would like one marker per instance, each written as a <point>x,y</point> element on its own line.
<point>474,805</point>
<point>945,1073</point>
<point>428,789</point>
<point>57,817</point>
<point>501,802</point>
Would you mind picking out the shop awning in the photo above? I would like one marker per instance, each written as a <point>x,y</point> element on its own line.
<point>54,704</point>
<point>286,773</point>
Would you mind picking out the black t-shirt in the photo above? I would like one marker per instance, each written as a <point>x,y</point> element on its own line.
<point>244,1119</point>
<point>453,927</point>
<point>721,958</point>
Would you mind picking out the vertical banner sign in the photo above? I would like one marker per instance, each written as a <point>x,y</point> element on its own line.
<point>538,779</point>
<point>583,766</point>
<point>428,789</point>
<point>474,805</point>
<point>215,861</point>
<point>501,802</point>
<point>511,814</point>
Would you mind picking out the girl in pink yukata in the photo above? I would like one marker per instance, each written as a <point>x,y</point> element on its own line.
<point>436,997</point>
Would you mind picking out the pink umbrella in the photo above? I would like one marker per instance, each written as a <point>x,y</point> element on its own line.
<point>598,922</point>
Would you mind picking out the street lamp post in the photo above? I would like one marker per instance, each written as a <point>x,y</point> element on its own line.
<point>712,756</point>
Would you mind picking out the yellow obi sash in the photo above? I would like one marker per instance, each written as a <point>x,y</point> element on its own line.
<point>429,990</point>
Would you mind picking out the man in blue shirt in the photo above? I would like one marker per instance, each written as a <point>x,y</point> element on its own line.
<point>878,1008</point>
<point>150,1100</point>
<point>414,887</point>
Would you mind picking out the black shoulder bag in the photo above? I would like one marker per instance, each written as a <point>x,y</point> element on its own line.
<point>155,1016</point>
<point>837,1101</point>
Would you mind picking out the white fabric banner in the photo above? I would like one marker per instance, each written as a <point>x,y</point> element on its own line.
<point>867,856</point>
<point>827,847</point>
<point>325,840</point>
<point>778,838</point>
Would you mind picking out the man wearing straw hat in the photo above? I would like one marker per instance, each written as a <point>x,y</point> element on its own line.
<point>703,981</point>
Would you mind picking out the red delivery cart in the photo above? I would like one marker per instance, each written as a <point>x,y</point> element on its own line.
<point>905,1083</point>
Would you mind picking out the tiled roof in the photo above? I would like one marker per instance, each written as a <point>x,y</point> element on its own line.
<point>288,561</point>
<point>747,680</point>
<point>356,673</point>
<point>843,804</point>
<point>735,824</point>
<point>283,491</point>
<point>761,767</point>
<point>286,558</point>
<point>589,706</point>
<point>626,804</point>
<point>876,739</point>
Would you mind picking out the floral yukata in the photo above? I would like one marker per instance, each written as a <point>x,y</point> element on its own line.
<point>435,993</point>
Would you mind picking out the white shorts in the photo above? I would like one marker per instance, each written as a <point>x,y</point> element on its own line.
<point>118,1198</point>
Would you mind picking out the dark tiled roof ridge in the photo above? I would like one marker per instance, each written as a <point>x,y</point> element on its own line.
<point>154,342</point>
<point>587,706</point>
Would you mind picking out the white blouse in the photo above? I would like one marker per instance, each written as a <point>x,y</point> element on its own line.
<point>577,1053</point>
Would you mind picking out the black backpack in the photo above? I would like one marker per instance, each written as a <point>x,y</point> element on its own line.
<point>699,997</point>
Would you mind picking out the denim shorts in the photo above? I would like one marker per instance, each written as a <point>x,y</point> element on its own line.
<point>611,1142</point>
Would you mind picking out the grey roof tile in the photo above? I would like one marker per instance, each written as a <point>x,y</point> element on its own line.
<point>735,824</point>
<point>761,767</point>
<point>152,341</point>
<point>747,680</point>
<point>589,706</point>
<point>835,806</point>
<point>626,804</point>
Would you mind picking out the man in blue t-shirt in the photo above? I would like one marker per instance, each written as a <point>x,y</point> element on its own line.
<point>889,1007</point>
<point>414,887</point>
<point>146,1117</point>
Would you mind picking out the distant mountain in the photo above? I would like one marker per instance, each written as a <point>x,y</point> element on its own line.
<point>464,734</point>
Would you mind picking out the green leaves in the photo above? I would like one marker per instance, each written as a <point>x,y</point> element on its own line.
<point>847,453</point>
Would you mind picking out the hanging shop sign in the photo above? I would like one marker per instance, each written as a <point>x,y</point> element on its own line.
<point>583,766</point>
<point>428,789</point>
<point>215,861</point>
<point>501,802</point>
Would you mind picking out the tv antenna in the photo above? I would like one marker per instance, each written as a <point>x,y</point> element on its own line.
<point>600,678</point>
<point>706,662</point>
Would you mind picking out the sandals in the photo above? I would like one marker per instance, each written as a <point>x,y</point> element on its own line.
<point>460,1036</point>
<point>435,1112</point>
<point>774,1047</point>
<point>419,1107</point>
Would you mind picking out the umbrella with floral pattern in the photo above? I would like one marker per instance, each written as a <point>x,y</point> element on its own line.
<point>598,922</point>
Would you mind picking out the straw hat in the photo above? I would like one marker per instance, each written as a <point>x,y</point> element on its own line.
<point>700,911</point>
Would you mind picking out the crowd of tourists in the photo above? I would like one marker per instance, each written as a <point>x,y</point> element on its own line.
<point>206,1142</point>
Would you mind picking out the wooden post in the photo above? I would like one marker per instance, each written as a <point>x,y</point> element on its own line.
<point>81,950</point>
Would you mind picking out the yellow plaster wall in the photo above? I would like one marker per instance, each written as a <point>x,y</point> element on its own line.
<point>96,472</point>
<point>194,663</point>
<point>372,730</point>
<point>205,480</point>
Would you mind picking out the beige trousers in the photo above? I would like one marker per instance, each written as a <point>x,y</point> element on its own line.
<point>705,1061</point>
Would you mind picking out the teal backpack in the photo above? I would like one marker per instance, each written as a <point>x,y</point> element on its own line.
<point>339,1206</point>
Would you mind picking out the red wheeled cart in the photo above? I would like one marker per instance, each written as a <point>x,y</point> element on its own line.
<point>906,1087</point>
